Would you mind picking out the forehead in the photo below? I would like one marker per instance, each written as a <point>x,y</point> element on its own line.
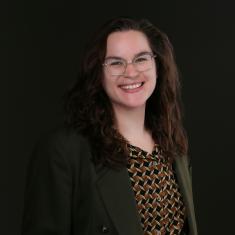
<point>126,44</point>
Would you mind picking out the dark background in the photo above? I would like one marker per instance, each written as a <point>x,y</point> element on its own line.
<point>42,42</point>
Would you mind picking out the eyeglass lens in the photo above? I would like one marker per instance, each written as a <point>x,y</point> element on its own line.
<point>118,66</point>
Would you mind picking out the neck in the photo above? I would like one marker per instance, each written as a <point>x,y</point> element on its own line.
<point>130,122</point>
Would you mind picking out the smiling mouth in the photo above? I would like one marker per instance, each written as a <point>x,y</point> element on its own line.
<point>132,86</point>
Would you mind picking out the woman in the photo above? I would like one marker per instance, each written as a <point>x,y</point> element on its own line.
<point>119,165</point>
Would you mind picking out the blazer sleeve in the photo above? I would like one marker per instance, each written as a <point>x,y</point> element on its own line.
<point>47,204</point>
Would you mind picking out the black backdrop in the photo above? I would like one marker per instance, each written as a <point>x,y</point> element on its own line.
<point>42,42</point>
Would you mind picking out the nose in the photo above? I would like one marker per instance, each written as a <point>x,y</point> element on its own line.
<point>130,70</point>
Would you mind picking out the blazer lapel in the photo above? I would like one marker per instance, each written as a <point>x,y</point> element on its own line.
<point>119,199</point>
<point>184,181</point>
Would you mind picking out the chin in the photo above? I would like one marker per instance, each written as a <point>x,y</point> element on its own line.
<point>132,105</point>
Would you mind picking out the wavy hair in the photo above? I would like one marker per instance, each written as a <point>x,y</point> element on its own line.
<point>88,109</point>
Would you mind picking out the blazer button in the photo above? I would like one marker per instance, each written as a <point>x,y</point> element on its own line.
<point>104,229</point>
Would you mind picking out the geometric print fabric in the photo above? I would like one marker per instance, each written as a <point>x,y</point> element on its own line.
<point>159,202</point>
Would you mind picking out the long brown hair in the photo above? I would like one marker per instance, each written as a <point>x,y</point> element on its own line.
<point>89,111</point>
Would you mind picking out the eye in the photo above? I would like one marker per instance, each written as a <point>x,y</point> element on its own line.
<point>142,59</point>
<point>116,63</point>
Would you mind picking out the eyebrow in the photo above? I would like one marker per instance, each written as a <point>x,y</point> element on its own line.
<point>136,55</point>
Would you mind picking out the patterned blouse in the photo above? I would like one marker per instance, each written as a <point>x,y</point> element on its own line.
<point>158,199</point>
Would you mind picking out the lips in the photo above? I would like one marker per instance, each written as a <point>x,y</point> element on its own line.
<point>131,86</point>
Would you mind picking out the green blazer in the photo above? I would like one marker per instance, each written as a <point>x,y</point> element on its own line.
<point>66,194</point>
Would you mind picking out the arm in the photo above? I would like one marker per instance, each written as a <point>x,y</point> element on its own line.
<point>47,205</point>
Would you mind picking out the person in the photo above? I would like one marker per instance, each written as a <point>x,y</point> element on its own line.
<point>119,164</point>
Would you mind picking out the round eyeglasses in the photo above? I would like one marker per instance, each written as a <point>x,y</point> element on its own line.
<point>117,66</point>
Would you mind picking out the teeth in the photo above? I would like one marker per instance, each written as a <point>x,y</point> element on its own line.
<point>129,87</point>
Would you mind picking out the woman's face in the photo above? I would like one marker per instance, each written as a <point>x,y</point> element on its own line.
<point>132,88</point>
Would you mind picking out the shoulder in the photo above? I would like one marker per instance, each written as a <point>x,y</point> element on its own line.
<point>183,168</point>
<point>63,137</point>
<point>62,144</point>
<point>183,160</point>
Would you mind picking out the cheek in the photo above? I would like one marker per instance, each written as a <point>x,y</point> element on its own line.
<point>155,70</point>
<point>153,84</point>
<point>153,81</point>
<point>104,81</point>
<point>152,76</point>
<point>155,76</point>
<point>107,85</point>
